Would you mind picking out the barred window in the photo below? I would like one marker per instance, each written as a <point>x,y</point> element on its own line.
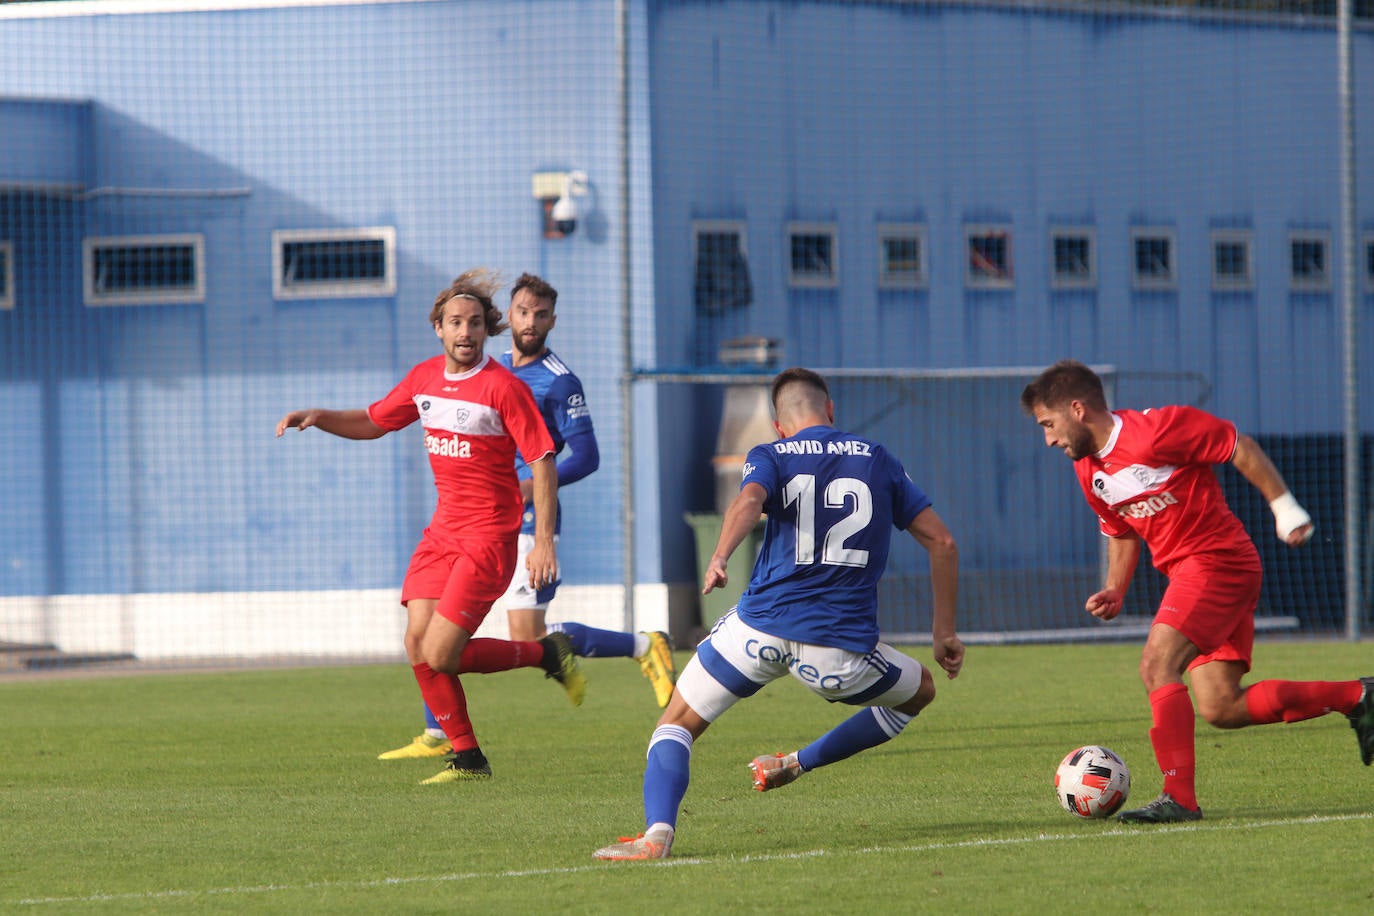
<point>721,266</point>
<point>333,263</point>
<point>143,270</point>
<point>812,250</point>
<point>1309,259</point>
<point>989,264</point>
<point>1152,264</point>
<point>1231,267</point>
<point>902,256</point>
<point>6,275</point>
<point>1367,246</point>
<point>1073,257</point>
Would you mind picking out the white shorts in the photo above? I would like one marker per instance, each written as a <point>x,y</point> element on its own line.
<point>736,661</point>
<point>520,596</point>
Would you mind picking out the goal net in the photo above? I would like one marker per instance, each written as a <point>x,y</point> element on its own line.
<point>1030,549</point>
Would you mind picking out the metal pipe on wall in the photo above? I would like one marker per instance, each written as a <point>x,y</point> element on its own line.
<point>1350,321</point>
<point>627,413</point>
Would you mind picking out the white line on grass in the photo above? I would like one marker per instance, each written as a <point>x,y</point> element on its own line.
<point>1134,832</point>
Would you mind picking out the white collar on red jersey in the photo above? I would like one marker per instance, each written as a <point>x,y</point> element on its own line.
<point>460,376</point>
<point>1111,440</point>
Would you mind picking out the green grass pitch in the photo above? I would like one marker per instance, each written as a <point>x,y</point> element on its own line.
<point>259,791</point>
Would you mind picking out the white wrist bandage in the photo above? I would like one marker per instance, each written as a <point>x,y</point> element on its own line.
<point>1289,516</point>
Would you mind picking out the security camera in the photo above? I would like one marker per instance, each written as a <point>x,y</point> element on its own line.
<point>564,215</point>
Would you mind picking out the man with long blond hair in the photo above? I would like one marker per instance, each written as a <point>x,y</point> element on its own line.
<point>475,415</point>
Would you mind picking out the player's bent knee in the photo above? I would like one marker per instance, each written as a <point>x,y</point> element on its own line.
<point>1229,713</point>
<point>1156,672</point>
<point>441,655</point>
<point>1224,720</point>
<point>700,694</point>
<point>922,697</point>
<point>442,663</point>
<point>681,714</point>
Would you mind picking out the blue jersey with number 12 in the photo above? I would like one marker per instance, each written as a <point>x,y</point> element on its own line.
<point>833,500</point>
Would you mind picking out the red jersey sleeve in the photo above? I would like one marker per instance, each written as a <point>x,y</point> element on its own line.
<point>524,423</point>
<point>1185,435</point>
<point>398,409</point>
<point>1110,525</point>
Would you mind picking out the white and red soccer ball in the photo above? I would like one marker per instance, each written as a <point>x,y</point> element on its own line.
<point>1092,782</point>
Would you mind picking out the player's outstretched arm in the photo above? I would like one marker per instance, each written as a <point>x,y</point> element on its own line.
<point>740,519</point>
<point>930,532</point>
<point>1291,521</point>
<point>348,424</point>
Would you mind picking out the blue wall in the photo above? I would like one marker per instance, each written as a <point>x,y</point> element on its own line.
<point>863,113</point>
<point>431,117</point>
<point>858,114</point>
<point>152,425</point>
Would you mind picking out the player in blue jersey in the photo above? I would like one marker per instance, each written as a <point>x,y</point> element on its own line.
<point>832,500</point>
<point>558,392</point>
<point>563,405</point>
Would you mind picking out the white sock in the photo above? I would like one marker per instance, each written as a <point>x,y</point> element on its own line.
<point>641,644</point>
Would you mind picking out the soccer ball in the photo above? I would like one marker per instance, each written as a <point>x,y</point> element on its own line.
<point>1092,782</point>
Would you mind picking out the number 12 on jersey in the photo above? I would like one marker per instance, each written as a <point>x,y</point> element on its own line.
<point>840,493</point>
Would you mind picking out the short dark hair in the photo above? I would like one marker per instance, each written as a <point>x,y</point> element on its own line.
<point>1065,381</point>
<point>797,374</point>
<point>537,286</point>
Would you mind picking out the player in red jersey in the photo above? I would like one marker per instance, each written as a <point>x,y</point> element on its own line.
<point>1148,476</point>
<point>475,414</point>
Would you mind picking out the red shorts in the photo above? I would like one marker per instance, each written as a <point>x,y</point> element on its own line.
<point>466,579</point>
<point>1213,604</point>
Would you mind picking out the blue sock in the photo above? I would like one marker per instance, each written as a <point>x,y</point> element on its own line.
<point>430,721</point>
<point>666,774</point>
<point>589,642</point>
<point>868,728</point>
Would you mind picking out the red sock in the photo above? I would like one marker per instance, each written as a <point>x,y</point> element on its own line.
<point>484,656</point>
<point>1293,701</point>
<point>444,696</point>
<point>1172,738</point>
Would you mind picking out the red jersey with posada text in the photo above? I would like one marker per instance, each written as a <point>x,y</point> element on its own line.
<point>1155,477</point>
<point>474,422</point>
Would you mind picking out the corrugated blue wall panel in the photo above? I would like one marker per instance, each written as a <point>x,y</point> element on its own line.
<point>425,117</point>
<point>432,117</point>
<point>44,141</point>
<point>864,113</point>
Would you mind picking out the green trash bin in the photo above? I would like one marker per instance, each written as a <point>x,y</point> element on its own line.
<point>706,528</point>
